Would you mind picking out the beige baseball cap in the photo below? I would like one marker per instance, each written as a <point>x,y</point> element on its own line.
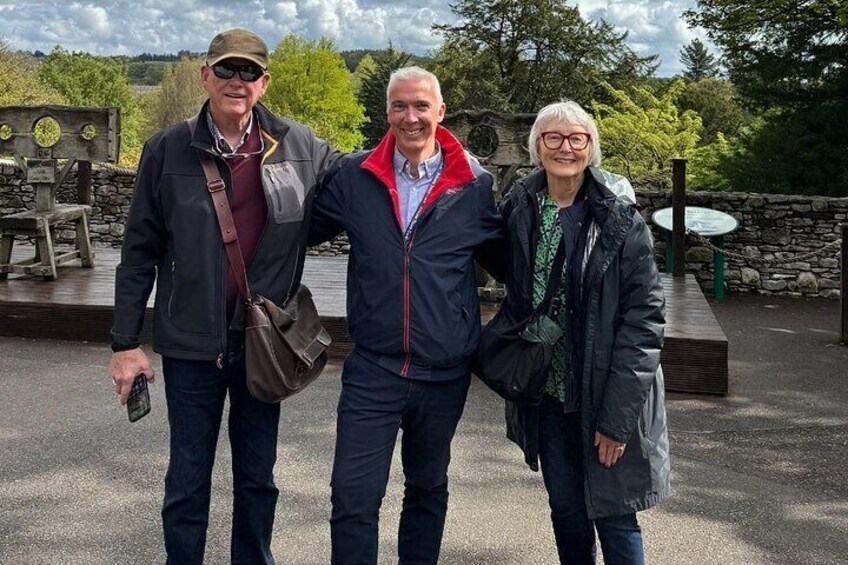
<point>237,43</point>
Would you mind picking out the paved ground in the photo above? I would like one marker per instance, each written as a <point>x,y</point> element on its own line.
<point>759,477</point>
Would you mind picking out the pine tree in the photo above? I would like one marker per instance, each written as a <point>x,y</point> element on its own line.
<point>699,62</point>
<point>372,92</point>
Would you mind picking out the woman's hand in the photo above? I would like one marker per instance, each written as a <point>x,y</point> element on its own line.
<point>609,451</point>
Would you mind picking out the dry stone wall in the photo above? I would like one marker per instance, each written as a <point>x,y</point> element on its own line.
<point>774,230</point>
<point>773,227</point>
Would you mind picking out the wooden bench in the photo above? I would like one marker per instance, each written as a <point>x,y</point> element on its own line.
<point>39,225</point>
<point>694,358</point>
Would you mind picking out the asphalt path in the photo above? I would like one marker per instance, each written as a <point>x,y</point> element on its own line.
<point>759,476</point>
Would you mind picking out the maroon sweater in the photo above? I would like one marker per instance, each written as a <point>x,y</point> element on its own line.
<point>250,209</point>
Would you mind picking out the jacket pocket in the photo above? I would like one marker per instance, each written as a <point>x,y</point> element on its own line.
<point>188,310</point>
<point>286,192</point>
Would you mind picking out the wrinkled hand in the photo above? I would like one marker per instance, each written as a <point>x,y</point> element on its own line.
<point>609,451</point>
<point>123,368</point>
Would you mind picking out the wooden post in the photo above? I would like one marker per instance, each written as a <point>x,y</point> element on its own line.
<point>843,295</point>
<point>84,182</point>
<point>678,215</point>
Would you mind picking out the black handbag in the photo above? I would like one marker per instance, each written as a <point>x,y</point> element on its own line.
<point>513,358</point>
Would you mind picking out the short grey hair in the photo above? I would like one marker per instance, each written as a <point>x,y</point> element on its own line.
<point>414,73</point>
<point>564,112</point>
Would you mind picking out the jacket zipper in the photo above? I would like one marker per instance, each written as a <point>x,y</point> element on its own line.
<point>407,283</point>
<point>407,252</point>
<point>173,287</point>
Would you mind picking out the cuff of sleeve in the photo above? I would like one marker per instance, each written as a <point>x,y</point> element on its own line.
<point>121,343</point>
<point>606,432</point>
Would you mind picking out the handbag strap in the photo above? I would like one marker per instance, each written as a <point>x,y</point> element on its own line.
<point>551,303</point>
<point>217,189</point>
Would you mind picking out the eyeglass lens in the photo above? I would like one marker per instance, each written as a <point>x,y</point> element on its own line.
<point>555,140</point>
<point>247,73</point>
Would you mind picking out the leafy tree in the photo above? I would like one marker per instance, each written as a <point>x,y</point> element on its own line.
<point>777,153</point>
<point>311,84</point>
<point>178,98</point>
<point>468,83</point>
<point>365,67</point>
<point>528,53</point>
<point>718,104</point>
<point>85,80</point>
<point>705,170</point>
<point>699,62</point>
<point>148,73</point>
<point>789,60</point>
<point>19,84</point>
<point>641,131</point>
<point>372,94</point>
<point>787,53</point>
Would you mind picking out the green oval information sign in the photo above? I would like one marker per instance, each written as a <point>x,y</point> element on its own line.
<point>703,221</point>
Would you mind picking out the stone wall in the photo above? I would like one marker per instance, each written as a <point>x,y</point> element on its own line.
<point>775,228</point>
<point>772,227</point>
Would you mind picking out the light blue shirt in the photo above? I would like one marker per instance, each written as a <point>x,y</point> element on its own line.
<point>412,191</point>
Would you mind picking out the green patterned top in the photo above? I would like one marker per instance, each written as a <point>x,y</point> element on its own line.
<point>550,234</point>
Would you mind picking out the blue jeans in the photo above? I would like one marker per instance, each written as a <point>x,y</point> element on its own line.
<point>374,405</point>
<point>561,457</point>
<point>195,392</point>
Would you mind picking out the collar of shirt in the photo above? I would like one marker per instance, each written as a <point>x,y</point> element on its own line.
<point>425,168</point>
<point>222,145</point>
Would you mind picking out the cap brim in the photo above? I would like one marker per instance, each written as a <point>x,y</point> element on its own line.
<point>245,56</point>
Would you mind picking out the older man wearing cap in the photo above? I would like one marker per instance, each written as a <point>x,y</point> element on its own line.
<point>271,167</point>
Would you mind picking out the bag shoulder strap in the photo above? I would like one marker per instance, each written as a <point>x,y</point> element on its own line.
<point>550,302</point>
<point>217,189</point>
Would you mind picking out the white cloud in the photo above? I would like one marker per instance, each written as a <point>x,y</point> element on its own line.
<point>136,26</point>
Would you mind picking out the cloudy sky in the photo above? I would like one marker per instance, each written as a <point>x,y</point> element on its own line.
<point>131,27</point>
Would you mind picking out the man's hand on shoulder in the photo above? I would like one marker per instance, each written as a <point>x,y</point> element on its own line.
<point>123,368</point>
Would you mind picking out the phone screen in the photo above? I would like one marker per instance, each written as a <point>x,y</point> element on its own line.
<point>138,403</point>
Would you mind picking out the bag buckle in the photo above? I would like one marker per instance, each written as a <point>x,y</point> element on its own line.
<point>215,185</point>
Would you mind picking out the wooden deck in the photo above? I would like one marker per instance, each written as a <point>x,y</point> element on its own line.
<point>78,306</point>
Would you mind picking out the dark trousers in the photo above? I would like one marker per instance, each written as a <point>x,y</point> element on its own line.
<point>374,405</point>
<point>561,457</point>
<point>195,391</point>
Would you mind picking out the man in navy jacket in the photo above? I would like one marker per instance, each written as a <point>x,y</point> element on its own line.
<point>417,212</point>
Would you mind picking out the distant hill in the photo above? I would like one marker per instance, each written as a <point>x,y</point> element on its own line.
<point>353,57</point>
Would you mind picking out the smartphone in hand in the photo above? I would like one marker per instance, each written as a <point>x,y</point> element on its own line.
<point>138,403</point>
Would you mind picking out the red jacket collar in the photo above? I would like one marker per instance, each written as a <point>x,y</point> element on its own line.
<point>456,173</point>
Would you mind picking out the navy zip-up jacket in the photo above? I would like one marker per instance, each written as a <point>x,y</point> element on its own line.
<point>412,304</point>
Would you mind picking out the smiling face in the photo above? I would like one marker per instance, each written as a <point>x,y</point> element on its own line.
<point>414,113</point>
<point>231,100</point>
<point>565,162</point>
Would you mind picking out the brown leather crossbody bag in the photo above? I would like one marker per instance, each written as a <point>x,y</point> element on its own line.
<point>285,347</point>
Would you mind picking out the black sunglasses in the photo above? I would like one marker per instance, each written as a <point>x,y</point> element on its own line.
<point>247,73</point>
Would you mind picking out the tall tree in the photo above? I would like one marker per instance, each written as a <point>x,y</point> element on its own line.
<point>699,62</point>
<point>532,52</point>
<point>788,53</point>
<point>312,85</point>
<point>372,93</point>
<point>18,84</point>
<point>178,98</point>
<point>718,104</point>
<point>789,61</point>
<point>86,80</point>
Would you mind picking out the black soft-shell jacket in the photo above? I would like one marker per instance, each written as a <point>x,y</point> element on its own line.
<point>172,236</point>
<point>621,381</point>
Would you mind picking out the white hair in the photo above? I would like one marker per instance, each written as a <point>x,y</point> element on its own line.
<point>414,73</point>
<point>560,113</point>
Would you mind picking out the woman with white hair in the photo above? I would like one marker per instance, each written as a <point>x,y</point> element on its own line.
<point>600,430</point>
